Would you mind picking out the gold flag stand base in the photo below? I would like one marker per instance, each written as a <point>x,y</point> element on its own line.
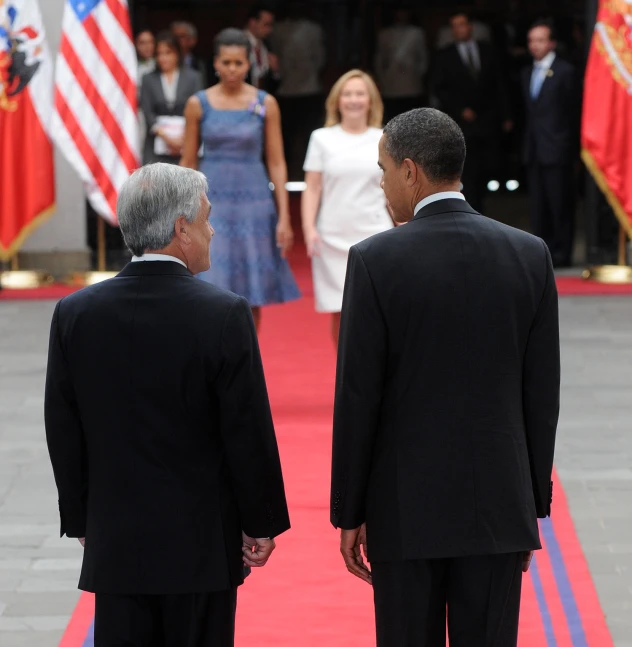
<point>621,273</point>
<point>83,279</point>
<point>17,279</point>
<point>24,279</point>
<point>609,274</point>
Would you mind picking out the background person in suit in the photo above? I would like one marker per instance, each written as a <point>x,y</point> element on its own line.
<point>146,52</point>
<point>401,63</point>
<point>187,35</point>
<point>264,66</point>
<point>469,86</point>
<point>169,475</point>
<point>164,92</point>
<point>447,399</point>
<point>552,96</point>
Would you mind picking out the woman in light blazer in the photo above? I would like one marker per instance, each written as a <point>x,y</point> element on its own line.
<point>164,93</point>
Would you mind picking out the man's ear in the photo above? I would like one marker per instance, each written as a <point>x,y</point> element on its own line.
<point>181,230</point>
<point>412,172</point>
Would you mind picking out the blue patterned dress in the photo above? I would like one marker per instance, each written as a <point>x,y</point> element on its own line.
<point>244,255</point>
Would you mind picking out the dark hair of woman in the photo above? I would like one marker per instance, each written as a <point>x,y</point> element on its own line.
<point>168,39</point>
<point>231,37</point>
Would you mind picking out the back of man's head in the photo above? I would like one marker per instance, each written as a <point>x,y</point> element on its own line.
<point>152,199</point>
<point>431,139</point>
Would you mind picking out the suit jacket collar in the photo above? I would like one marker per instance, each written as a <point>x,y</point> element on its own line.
<point>155,268</point>
<point>526,79</point>
<point>449,205</point>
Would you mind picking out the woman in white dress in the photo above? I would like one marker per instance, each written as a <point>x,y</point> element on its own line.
<point>343,202</point>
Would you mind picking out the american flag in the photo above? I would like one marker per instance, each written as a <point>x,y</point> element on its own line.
<point>95,122</point>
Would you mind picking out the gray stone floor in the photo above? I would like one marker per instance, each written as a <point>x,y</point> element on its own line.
<point>38,571</point>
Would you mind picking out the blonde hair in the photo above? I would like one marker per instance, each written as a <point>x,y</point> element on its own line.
<point>376,108</point>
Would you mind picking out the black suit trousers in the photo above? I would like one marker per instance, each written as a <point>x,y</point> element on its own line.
<point>552,207</point>
<point>481,594</point>
<point>192,620</point>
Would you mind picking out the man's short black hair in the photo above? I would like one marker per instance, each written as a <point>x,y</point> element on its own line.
<point>465,14</point>
<point>257,9</point>
<point>545,23</point>
<point>431,139</point>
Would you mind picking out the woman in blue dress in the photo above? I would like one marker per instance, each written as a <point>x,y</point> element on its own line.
<point>238,126</point>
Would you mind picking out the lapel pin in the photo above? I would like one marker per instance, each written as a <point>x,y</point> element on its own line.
<point>550,73</point>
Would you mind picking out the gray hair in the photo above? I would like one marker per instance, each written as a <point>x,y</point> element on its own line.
<point>152,199</point>
<point>190,27</point>
<point>431,139</point>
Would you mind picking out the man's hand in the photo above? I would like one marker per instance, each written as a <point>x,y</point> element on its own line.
<point>526,561</point>
<point>82,541</point>
<point>350,542</point>
<point>469,115</point>
<point>256,551</point>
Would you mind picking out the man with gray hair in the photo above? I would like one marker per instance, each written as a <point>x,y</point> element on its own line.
<point>447,400</point>
<point>159,429</point>
<point>187,35</point>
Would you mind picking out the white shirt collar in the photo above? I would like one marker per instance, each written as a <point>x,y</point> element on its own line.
<point>157,257</point>
<point>442,195</point>
<point>546,62</point>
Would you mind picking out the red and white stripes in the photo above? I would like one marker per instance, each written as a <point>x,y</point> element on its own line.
<point>95,120</point>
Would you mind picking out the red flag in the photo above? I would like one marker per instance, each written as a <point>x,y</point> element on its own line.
<point>607,112</point>
<point>27,180</point>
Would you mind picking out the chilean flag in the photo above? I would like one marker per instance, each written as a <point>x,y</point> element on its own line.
<point>607,111</point>
<point>27,178</point>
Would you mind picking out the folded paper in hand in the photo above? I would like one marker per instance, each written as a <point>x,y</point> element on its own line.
<point>174,129</point>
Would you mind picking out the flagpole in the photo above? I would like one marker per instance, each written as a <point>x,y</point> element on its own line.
<point>623,241</point>
<point>15,265</point>
<point>101,247</point>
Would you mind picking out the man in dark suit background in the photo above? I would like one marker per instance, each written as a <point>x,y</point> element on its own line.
<point>551,92</point>
<point>264,65</point>
<point>159,429</point>
<point>469,87</point>
<point>447,399</point>
<point>187,35</point>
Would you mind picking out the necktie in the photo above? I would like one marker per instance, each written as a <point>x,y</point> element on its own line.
<point>537,79</point>
<point>471,61</point>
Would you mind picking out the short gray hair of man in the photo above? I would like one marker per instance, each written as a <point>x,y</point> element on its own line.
<point>431,139</point>
<point>190,27</point>
<point>152,199</point>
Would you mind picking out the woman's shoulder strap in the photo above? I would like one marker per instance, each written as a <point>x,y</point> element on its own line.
<point>203,99</point>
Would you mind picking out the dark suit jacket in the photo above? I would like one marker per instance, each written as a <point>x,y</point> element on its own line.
<point>447,388</point>
<point>154,105</point>
<point>457,89</point>
<point>552,120</point>
<point>159,432</point>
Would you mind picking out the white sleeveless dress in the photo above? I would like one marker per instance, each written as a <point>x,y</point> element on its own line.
<point>352,205</point>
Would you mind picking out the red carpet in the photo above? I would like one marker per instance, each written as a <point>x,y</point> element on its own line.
<point>570,286</point>
<point>55,291</point>
<point>567,286</point>
<point>305,597</point>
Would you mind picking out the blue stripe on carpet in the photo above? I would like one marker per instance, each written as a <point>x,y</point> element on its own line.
<point>567,597</point>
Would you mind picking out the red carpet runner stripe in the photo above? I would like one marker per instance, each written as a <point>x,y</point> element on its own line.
<point>567,286</point>
<point>305,596</point>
